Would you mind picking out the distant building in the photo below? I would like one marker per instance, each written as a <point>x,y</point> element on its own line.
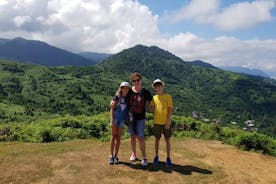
<point>250,125</point>
<point>195,114</point>
<point>205,119</point>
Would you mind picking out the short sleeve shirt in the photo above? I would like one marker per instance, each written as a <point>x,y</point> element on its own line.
<point>161,104</point>
<point>137,103</point>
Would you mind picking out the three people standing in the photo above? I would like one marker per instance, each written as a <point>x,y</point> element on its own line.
<point>138,98</point>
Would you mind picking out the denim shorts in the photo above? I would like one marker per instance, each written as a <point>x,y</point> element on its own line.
<point>137,127</point>
<point>118,123</point>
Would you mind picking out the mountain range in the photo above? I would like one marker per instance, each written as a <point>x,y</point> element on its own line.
<point>95,56</point>
<point>244,70</point>
<point>32,91</point>
<point>37,52</point>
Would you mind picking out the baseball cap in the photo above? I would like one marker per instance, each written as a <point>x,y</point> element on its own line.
<point>157,81</point>
<point>124,84</point>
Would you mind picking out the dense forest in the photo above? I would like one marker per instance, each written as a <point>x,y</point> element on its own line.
<point>31,92</point>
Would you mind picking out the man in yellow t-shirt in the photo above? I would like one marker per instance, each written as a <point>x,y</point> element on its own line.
<point>162,112</point>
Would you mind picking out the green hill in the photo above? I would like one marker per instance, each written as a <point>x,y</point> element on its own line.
<point>211,92</point>
<point>32,92</point>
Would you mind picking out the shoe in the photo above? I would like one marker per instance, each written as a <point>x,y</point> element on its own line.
<point>155,160</point>
<point>116,160</point>
<point>144,162</point>
<point>169,162</point>
<point>111,160</point>
<point>133,157</point>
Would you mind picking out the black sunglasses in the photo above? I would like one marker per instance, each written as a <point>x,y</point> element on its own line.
<point>137,80</point>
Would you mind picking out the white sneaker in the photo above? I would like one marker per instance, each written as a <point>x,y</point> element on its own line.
<point>116,160</point>
<point>144,162</point>
<point>110,160</point>
<point>133,157</point>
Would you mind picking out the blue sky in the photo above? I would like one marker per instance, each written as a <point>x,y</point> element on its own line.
<point>264,30</point>
<point>220,32</point>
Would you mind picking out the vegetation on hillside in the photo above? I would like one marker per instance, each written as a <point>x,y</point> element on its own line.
<point>82,127</point>
<point>214,93</point>
<point>30,92</point>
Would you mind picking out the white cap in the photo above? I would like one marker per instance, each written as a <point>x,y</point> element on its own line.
<point>157,81</point>
<point>124,84</point>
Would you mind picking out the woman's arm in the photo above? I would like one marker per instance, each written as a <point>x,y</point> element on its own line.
<point>113,104</point>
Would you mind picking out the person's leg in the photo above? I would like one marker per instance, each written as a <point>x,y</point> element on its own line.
<point>132,141</point>
<point>112,144</point>
<point>112,139</point>
<point>119,131</point>
<point>118,140</point>
<point>142,146</point>
<point>157,146</point>
<point>140,130</point>
<point>157,135</point>
<point>168,147</point>
<point>157,130</point>
<point>167,135</point>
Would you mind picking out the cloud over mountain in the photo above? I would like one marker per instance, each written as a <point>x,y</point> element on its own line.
<point>236,16</point>
<point>109,26</point>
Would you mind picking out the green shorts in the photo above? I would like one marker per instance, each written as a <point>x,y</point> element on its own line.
<point>158,130</point>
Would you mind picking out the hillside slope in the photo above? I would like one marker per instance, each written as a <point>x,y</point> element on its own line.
<point>214,93</point>
<point>34,91</point>
<point>41,53</point>
<point>85,161</point>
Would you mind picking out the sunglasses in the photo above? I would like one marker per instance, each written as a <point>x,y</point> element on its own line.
<point>137,80</point>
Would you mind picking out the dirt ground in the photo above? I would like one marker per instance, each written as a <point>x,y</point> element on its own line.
<point>85,161</point>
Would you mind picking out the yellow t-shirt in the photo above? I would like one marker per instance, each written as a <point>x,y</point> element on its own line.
<point>161,104</point>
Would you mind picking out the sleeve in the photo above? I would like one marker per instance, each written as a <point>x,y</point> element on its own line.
<point>152,103</point>
<point>148,95</point>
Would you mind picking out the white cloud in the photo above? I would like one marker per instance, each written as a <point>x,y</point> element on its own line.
<point>195,9</point>
<point>243,14</point>
<point>21,20</point>
<point>225,51</point>
<point>110,26</point>
<point>237,16</point>
<point>3,2</point>
<point>99,25</point>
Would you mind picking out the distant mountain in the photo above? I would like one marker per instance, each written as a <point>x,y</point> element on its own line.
<point>3,41</point>
<point>153,62</point>
<point>201,63</point>
<point>213,93</point>
<point>244,70</point>
<point>209,90</point>
<point>94,56</point>
<point>37,52</point>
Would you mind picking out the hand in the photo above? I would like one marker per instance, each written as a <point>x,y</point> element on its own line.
<point>167,126</point>
<point>112,102</point>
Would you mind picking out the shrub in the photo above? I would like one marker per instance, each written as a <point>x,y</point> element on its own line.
<point>256,142</point>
